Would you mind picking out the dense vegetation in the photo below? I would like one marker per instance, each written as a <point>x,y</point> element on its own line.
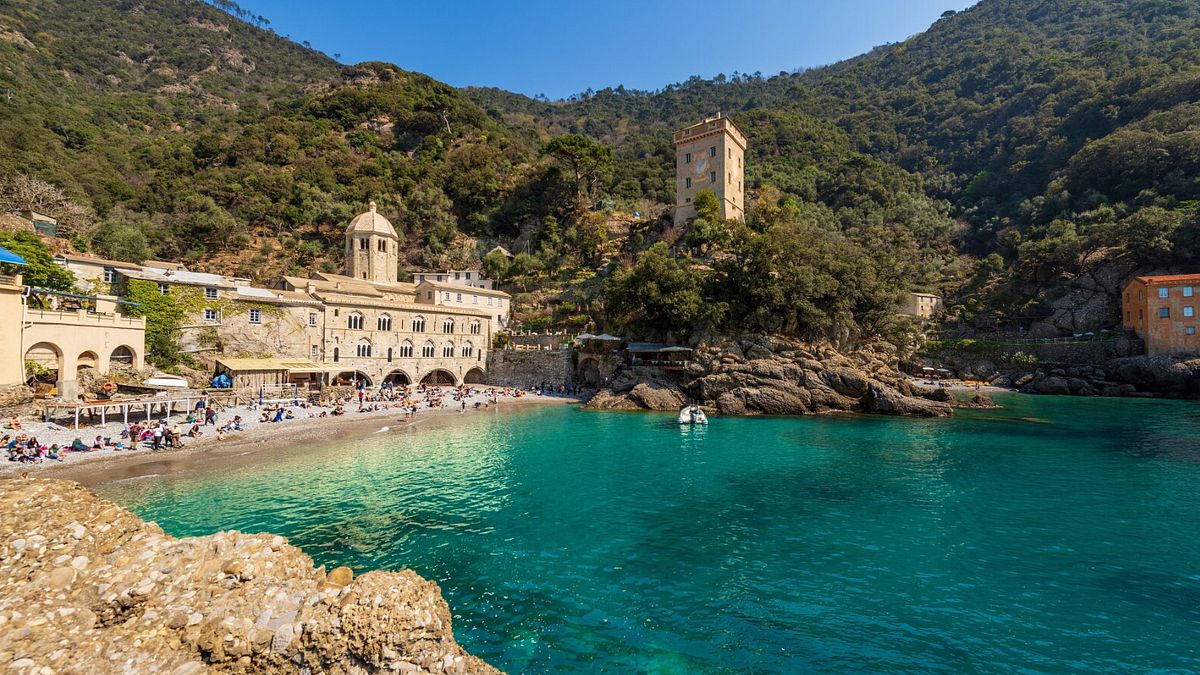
<point>1000,155</point>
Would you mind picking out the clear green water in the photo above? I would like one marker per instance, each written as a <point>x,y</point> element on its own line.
<point>1056,535</point>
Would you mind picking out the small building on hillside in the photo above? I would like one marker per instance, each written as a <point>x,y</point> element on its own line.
<point>922,306</point>
<point>1162,311</point>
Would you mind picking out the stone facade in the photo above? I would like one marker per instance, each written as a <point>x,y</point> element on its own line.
<point>509,368</point>
<point>710,155</point>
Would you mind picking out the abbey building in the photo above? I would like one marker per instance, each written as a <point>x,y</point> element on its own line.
<point>360,326</point>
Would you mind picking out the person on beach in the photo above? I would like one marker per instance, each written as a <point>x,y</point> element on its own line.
<point>157,437</point>
<point>210,417</point>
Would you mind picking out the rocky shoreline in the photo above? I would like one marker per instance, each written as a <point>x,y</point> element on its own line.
<point>769,375</point>
<point>89,587</point>
<point>1129,376</point>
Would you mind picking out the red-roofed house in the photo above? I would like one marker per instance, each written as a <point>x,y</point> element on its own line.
<point>1162,311</point>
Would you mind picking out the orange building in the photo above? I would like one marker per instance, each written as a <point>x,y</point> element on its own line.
<point>1162,311</point>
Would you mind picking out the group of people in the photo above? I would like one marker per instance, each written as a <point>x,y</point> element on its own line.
<point>26,448</point>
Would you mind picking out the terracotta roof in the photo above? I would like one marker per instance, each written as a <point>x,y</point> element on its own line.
<point>1169,279</point>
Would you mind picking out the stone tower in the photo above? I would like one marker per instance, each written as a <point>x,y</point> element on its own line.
<point>709,155</point>
<point>372,248</point>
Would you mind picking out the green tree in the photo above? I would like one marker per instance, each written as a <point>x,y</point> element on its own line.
<point>123,236</point>
<point>495,266</point>
<point>163,315</point>
<point>40,271</point>
<point>656,295</point>
<point>585,161</point>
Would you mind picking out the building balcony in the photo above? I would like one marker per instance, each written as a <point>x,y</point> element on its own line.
<point>82,317</point>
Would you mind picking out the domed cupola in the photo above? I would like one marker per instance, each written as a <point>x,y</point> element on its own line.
<point>372,247</point>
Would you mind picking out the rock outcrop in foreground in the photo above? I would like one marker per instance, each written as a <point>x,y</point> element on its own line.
<point>87,587</point>
<point>764,375</point>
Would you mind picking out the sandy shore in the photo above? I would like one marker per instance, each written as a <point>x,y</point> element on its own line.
<point>103,466</point>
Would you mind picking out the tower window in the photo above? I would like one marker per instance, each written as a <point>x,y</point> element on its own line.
<point>687,158</point>
<point>712,152</point>
<point>712,176</point>
<point>362,244</point>
<point>687,182</point>
<point>382,246</point>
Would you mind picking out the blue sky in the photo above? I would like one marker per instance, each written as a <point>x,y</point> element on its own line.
<point>562,47</point>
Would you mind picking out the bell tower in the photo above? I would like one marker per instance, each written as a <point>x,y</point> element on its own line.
<point>372,248</point>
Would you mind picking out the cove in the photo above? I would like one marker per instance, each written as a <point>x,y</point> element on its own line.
<point>1056,534</point>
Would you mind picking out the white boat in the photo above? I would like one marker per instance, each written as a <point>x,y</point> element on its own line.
<point>692,414</point>
<point>166,380</point>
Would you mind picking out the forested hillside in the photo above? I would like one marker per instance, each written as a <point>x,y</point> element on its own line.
<point>1001,157</point>
<point>1062,132</point>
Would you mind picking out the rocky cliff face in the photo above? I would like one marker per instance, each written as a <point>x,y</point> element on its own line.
<point>87,587</point>
<point>765,375</point>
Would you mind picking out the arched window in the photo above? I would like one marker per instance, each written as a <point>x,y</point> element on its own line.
<point>354,321</point>
<point>468,350</point>
<point>448,350</point>
<point>406,350</point>
<point>427,350</point>
<point>364,348</point>
<point>419,324</point>
<point>384,322</point>
<point>475,328</point>
<point>389,354</point>
<point>448,326</point>
<point>335,354</point>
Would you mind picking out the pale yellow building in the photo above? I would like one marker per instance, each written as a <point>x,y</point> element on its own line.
<point>12,357</point>
<point>710,155</point>
<point>497,304</point>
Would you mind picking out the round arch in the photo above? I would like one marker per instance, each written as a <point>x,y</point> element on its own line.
<point>440,377</point>
<point>397,378</point>
<point>87,360</point>
<point>350,377</point>
<point>475,376</point>
<point>122,357</point>
<point>47,355</point>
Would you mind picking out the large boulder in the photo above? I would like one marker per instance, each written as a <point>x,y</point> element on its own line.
<point>883,399</point>
<point>87,587</point>
<point>1154,373</point>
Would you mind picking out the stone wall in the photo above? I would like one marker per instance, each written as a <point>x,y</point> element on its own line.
<point>87,587</point>
<point>509,368</point>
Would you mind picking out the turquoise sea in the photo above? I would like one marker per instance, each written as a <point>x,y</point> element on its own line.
<point>1055,535</point>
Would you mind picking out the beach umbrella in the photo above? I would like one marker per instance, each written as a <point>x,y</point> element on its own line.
<point>607,338</point>
<point>7,256</point>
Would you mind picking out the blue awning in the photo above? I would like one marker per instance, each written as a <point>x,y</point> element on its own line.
<point>7,256</point>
